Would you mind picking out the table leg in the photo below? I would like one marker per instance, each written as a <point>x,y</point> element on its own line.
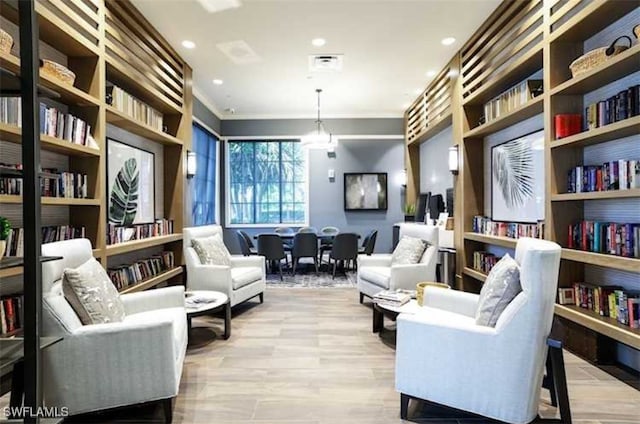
<point>227,321</point>
<point>17,386</point>
<point>378,320</point>
<point>189,326</point>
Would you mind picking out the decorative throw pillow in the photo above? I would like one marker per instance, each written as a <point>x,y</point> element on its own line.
<point>500,288</point>
<point>408,251</point>
<point>211,250</point>
<point>92,294</point>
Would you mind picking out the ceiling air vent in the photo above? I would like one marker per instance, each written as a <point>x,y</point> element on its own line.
<point>325,63</point>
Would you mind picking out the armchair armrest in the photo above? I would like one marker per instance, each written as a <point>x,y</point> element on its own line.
<point>408,275</point>
<point>167,297</point>
<point>209,277</point>
<point>379,259</point>
<point>451,300</point>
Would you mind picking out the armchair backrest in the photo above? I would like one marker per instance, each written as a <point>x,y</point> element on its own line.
<point>428,233</point>
<point>58,316</point>
<point>190,233</point>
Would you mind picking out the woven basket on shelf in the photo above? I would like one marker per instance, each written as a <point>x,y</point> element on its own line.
<point>57,71</point>
<point>594,58</point>
<point>6,42</point>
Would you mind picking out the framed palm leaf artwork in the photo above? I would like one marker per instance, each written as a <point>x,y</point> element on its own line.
<point>130,184</point>
<point>517,179</point>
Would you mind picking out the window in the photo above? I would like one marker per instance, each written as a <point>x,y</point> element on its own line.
<point>266,183</point>
<point>203,187</point>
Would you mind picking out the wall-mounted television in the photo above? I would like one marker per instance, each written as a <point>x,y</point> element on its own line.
<point>365,191</point>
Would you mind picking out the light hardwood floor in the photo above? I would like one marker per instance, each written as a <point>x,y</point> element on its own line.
<point>309,356</point>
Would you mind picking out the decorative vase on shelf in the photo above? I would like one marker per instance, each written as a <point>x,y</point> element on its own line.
<point>3,246</point>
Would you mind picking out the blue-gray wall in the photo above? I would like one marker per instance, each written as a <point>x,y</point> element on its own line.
<point>434,167</point>
<point>207,117</point>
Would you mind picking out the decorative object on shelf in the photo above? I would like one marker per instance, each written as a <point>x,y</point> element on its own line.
<point>517,183</point>
<point>454,159</point>
<point>6,42</point>
<point>566,296</point>
<point>421,286</point>
<point>57,71</point>
<point>191,164</point>
<point>131,184</point>
<point>319,138</point>
<point>598,56</point>
<point>5,229</point>
<point>409,212</point>
<point>365,191</point>
<point>567,124</point>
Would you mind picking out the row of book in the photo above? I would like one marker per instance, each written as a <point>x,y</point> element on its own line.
<point>53,122</point>
<point>15,239</point>
<point>52,182</point>
<point>120,234</point>
<point>133,107</point>
<point>623,105</point>
<point>605,237</point>
<point>484,261</point>
<point>512,99</point>
<point>127,275</point>
<point>615,175</point>
<point>11,314</point>
<point>608,301</point>
<point>486,226</point>
<point>392,298</point>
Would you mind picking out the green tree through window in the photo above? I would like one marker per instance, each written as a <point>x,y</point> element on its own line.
<point>267,182</point>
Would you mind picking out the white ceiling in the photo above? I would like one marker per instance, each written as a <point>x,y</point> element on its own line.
<point>388,47</point>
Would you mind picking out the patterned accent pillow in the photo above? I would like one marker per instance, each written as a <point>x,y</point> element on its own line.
<point>408,251</point>
<point>500,288</point>
<point>91,294</point>
<point>211,250</point>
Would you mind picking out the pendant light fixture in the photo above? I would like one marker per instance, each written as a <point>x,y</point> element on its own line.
<point>319,138</point>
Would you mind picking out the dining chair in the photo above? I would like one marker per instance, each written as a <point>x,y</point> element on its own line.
<point>344,248</point>
<point>252,247</point>
<point>326,239</point>
<point>369,243</point>
<point>246,246</point>
<point>305,245</point>
<point>271,247</point>
<point>285,231</point>
<point>308,230</point>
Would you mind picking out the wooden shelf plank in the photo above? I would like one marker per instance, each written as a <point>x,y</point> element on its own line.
<point>596,195</point>
<point>130,246</point>
<point>432,129</point>
<point>625,128</point>
<point>613,69</point>
<point>601,259</point>
<point>603,325</point>
<point>478,275</point>
<point>14,135</point>
<point>122,120</point>
<point>11,272</point>
<point>591,20</point>
<point>68,93</point>
<point>526,65</point>
<point>56,201</point>
<point>153,281</point>
<point>532,108</point>
<point>495,240</point>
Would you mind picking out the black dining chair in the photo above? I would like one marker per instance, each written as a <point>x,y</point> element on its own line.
<point>287,233</point>
<point>246,245</point>
<point>327,234</point>
<point>271,247</point>
<point>369,243</point>
<point>307,230</point>
<point>305,245</point>
<point>345,249</point>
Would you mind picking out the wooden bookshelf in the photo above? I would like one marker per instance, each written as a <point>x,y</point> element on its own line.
<point>153,281</point>
<point>478,275</point>
<point>601,259</point>
<point>11,272</point>
<point>55,201</point>
<point>603,325</point>
<point>532,108</point>
<point>120,119</point>
<point>603,134</point>
<point>14,135</point>
<point>494,240</point>
<point>596,195</point>
<point>130,246</point>
<point>433,129</point>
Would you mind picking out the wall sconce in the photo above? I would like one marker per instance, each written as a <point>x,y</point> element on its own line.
<point>191,164</point>
<point>402,178</point>
<point>453,160</point>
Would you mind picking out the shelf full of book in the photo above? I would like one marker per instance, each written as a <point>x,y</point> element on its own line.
<point>153,281</point>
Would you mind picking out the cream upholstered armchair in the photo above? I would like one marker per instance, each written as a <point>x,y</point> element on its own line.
<point>243,280</point>
<point>444,357</point>
<point>103,366</point>
<point>377,273</point>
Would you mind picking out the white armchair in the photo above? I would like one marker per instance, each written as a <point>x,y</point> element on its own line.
<point>442,356</point>
<point>376,273</point>
<point>103,366</point>
<point>243,280</point>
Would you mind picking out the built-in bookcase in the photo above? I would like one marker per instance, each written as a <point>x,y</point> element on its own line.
<point>538,39</point>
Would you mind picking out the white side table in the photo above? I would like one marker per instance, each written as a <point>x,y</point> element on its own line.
<point>211,303</point>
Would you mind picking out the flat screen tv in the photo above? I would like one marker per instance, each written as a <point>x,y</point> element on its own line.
<point>365,191</point>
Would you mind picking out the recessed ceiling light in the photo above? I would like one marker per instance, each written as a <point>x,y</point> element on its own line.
<point>431,73</point>
<point>318,42</point>
<point>218,81</point>
<point>188,44</point>
<point>448,41</point>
